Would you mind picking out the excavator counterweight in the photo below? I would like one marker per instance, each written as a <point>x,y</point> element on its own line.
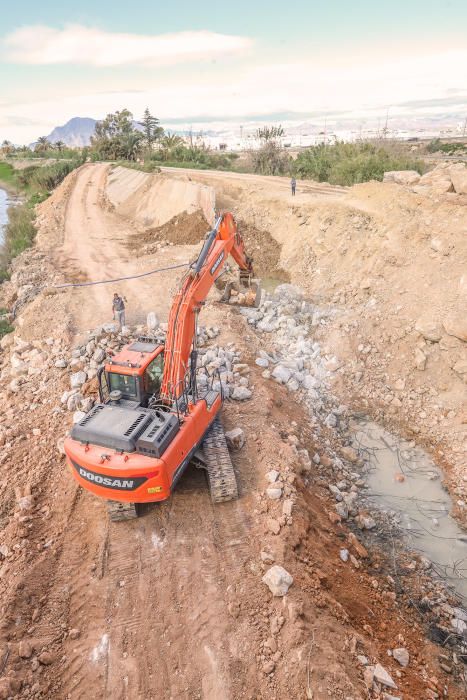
<point>152,419</point>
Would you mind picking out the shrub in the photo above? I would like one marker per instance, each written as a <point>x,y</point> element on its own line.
<point>436,146</point>
<point>20,230</point>
<point>5,327</point>
<point>177,154</point>
<point>270,159</point>
<point>352,163</point>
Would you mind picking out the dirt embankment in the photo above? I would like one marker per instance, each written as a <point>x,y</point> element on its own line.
<point>153,199</point>
<point>173,605</point>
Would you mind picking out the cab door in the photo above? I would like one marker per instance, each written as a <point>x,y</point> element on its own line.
<point>152,379</point>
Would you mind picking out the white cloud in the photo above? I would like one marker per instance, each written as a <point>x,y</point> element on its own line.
<point>41,45</point>
<point>362,88</point>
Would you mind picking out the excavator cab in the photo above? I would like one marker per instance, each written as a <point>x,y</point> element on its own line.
<point>140,386</point>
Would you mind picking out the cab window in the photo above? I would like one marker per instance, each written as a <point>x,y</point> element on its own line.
<point>153,375</point>
<point>124,383</point>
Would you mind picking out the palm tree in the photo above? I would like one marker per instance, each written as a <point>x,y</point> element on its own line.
<point>131,145</point>
<point>43,144</point>
<point>60,145</point>
<point>7,147</point>
<point>171,140</point>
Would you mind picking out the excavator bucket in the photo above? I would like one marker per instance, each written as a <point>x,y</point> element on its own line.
<point>245,291</point>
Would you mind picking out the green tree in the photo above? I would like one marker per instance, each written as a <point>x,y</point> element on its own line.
<point>151,129</point>
<point>42,145</point>
<point>269,133</point>
<point>60,145</point>
<point>131,145</point>
<point>115,137</point>
<point>270,159</point>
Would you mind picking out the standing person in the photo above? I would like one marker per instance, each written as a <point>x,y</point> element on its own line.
<point>118,308</point>
<point>293,185</point>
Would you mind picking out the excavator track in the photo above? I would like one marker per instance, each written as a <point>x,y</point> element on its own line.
<point>219,468</point>
<point>121,511</point>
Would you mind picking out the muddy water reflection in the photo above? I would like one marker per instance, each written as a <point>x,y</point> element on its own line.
<point>404,480</point>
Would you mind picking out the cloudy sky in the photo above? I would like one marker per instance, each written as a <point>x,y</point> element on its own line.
<point>206,62</point>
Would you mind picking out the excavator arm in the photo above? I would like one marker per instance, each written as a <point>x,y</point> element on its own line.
<point>222,241</point>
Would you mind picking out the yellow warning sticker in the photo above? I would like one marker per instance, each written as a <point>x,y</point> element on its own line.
<point>155,489</point>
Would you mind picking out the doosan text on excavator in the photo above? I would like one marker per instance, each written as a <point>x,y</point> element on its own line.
<point>152,419</point>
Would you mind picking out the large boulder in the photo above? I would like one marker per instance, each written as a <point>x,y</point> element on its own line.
<point>278,580</point>
<point>458,173</point>
<point>402,177</point>
<point>281,374</point>
<point>456,324</point>
<point>438,179</point>
<point>235,438</point>
<point>429,329</point>
<point>78,379</point>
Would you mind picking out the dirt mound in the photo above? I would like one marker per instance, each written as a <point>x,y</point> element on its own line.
<point>182,229</point>
<point>264,250</point>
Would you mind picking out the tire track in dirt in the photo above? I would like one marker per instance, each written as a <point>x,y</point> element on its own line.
<point>172,570</point>
<point>75,597</point>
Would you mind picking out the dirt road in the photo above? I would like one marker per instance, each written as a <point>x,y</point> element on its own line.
<point>172,605</point>
<point>94,248</point>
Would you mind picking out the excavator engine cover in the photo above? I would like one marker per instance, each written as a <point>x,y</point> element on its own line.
<point>117,427</point>
<point>158,435</point>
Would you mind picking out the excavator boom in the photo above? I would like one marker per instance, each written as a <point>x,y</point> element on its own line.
<point>222,241</point>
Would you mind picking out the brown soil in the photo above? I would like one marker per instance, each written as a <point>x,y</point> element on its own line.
<point>264,250</point>
<point>182,229</point>
<point>172,605</point>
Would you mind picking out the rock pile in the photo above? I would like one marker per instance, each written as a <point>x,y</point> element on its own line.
<point>296,360</point>
<point>218,367</point>
<point>444,178</point>
<point>28,359</point>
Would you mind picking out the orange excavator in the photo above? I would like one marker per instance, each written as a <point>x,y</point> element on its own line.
<point>152,419</point>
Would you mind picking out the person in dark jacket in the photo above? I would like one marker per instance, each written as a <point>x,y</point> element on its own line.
<point>118,308</point>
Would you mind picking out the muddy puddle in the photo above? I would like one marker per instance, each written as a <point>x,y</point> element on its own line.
<point>404,482</point>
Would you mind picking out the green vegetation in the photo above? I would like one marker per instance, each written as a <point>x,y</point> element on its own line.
<point>5,327</point>
<point>174,152</point>
<point>270,158</point>
<point>7,175</point>
<point>269,133</point>
<point>45,178</point>
<point>452,148</point>
<point>151,129</point>
<point>115,138</point>
<point>352,163</point>
<point>146,166</point>
<point>35,183</point>
<point>20,230</point>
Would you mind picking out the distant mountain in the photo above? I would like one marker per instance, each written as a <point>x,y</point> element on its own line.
<point>76,132</point>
